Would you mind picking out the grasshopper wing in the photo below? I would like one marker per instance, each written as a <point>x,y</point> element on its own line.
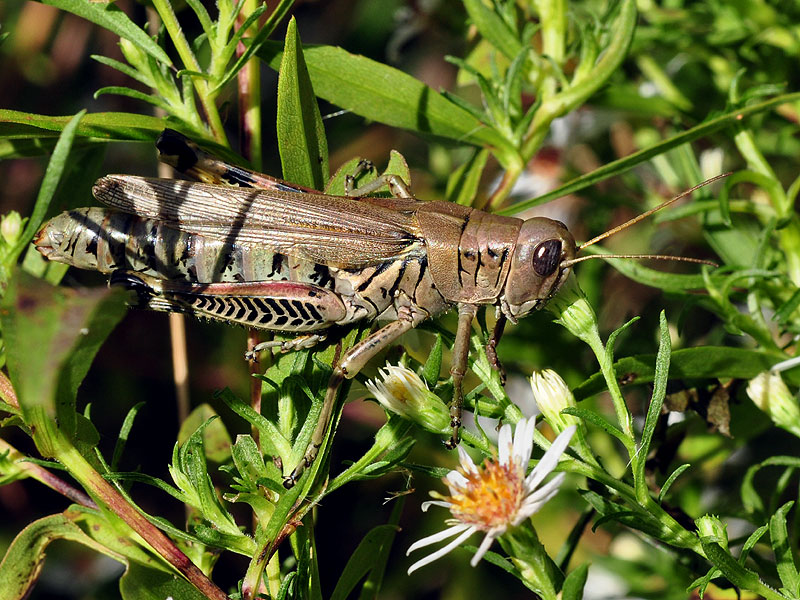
<point>332,230</point>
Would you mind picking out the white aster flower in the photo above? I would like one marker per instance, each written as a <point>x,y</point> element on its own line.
<point>498,495</point>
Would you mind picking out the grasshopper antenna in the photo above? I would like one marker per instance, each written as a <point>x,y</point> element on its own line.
<point>635,220</point>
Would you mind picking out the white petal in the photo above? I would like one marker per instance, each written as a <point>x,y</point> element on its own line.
<point>550,458</point>
<point>466,461</point>
<point>438,537</point>
<point>505,444</point>
<point>441,551</point>
<point>484,547</point>
<point>455,479</point>
<point>523,443</point>
<point>537,499</point>
<point>426,505</point>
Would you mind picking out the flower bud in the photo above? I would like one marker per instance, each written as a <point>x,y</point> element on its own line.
<point>11,227</point>
<point>572,310</point>
<point>711,529</point>
<point>402,391</point>
<point>768,391</point>
<point>552,396</point>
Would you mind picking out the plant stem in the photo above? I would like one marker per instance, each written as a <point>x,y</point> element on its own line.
<point>167,14</point>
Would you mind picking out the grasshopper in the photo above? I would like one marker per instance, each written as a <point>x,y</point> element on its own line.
<point>272,255</point>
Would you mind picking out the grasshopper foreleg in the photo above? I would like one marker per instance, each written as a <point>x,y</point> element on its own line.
<point>458,367</point>
<point>491,346</point>
<point>352,362</point>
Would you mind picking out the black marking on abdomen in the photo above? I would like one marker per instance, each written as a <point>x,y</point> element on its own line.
<point>277,264</point>
<point>378,270</point>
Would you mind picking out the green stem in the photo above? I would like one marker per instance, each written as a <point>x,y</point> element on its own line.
<point>111,499</point>
<point>170,21</point>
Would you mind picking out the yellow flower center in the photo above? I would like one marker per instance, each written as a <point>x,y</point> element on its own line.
<point>491,496</point>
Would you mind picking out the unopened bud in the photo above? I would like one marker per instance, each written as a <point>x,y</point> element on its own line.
<point>572,310</point>
<point>552,396</point>
<point>768,391</point>
<point>711,529</point>
<point>11,227</point>
<point>400,390</point>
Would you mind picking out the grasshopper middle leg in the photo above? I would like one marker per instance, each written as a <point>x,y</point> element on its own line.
<point>352,362</point>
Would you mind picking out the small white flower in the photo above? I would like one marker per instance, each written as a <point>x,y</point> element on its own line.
<point>497,496</point>
<point>400,390</point>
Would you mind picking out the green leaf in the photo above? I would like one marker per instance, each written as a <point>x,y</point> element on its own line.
<point>386,95</point>
<point>670,480</point>
<point>492,27</point>
<point>369,554</point>
<point>705,362</point>
<point>216,439</point>
<point>121,90</point>
<point>782,547</point>
<point>24,558</point>
<point>51,335</point>
<point>142,583</point>
<point>433,366</point>
<point>109,16</point>
<point>595,419</point>
<point>623,165</point>
<point>751,499</point>
<point>462,185</point>
<point>660,379</point>
<point>301,134</point>
<point>573,584</point>
<point>55,168</point>
<point>253,46</point>
<point>104,125</point>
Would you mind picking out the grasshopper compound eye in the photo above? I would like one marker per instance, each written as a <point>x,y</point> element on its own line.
<point>546,257</point>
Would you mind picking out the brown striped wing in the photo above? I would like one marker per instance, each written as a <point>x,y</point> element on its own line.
<point>332,230</point>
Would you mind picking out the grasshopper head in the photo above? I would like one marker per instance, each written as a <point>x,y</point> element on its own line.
<point>536,273</point>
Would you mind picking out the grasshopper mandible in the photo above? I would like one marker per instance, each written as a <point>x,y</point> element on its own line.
<point>272,255</point>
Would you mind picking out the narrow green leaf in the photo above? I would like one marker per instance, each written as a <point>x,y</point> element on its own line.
<point>106,126</point>
<point>670,480</point>
<point>750,542</point>
<point>109,16</point>
<point>595,419</point>
<point>462,185</point>
<point>301,134</point>
<point>623,165</point>
<point>365,557</point>
<point>216,439</point>
<point>433,366</point>
<point>135,94</point>
<point>705,362</point>
<point>253,46</point>
<point>123,68</point>
<point>660,378</point>
<point>782,548</point>
<point>492,27</point>
<point>573,584</point>
<point>386,95</point>
<point>124,432</point>
<point>52,176</point>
